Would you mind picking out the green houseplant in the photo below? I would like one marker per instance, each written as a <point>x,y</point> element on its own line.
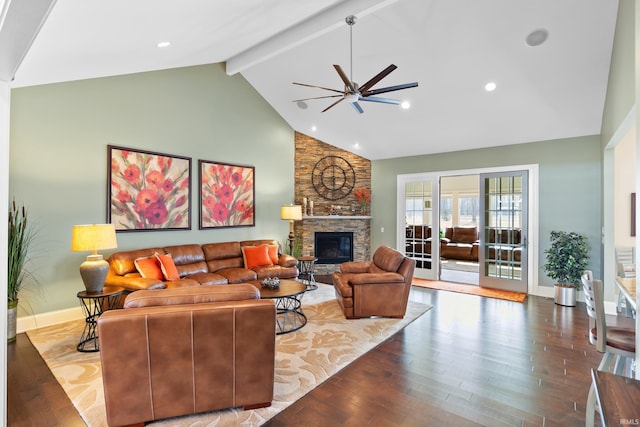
<point>20,236</point>
<point>567,258</point>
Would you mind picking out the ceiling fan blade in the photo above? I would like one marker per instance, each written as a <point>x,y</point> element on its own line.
<point>344,78</point>
<point>334,104</point>
<point>381,75</point>
<point>382,100</point>
<point>318,87</point>
<point>317,97</point>
<point>389,89</point>
<point>357,107</point>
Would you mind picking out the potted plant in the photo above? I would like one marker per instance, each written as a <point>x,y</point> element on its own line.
<point>567,258</point>
<point>20,236</point>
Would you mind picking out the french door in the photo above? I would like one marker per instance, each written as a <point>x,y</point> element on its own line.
<point>503,250</point>
<point>420,233</point>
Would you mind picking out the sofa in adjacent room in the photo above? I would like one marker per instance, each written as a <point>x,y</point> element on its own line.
<point>181,351</point>
<point>194,265</point>
<point>504,244</point>
<point>460,243</point>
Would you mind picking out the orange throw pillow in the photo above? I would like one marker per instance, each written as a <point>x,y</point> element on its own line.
<point>149,268</point>
<point>256,256</point>
<point>272,250</point>
<point>168,267</point>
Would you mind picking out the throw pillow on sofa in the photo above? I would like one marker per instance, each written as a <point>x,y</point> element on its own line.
<point>256,256</point>
<point>273,253</point>
<point>149,268</point>
<point>168,267</point>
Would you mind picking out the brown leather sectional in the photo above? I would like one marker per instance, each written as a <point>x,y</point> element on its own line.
<point>206,264</point>
<point>181,351</point>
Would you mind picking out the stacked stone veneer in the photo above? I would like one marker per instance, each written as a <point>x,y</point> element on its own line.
<point>361,228</point>
<point>308,151</point>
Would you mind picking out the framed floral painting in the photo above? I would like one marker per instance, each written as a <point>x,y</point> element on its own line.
<point>226,195</point>
<point>148,191</point>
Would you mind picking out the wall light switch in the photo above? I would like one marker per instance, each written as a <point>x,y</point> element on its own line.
<point>382,229</point>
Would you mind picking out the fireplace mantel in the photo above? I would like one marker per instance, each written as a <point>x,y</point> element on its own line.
<point>336,217</point>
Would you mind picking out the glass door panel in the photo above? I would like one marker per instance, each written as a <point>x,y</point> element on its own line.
<point>420,210</point>
<point>503,237</point>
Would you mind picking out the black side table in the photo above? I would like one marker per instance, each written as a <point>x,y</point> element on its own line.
<point>93,305</point>
<point>307,275</point>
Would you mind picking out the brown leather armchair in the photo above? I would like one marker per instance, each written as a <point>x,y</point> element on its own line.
<point>379,287</point>
<point>182,351</point>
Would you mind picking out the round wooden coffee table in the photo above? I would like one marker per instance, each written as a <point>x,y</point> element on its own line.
<point>288,299</point>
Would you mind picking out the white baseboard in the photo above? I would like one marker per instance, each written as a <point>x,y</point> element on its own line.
<point>27,323</point>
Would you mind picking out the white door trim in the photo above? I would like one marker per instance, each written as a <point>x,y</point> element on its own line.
<point>534,238</point>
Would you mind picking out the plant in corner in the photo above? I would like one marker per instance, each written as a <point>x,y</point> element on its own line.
<point>20,236</point>
<point>567,258</point>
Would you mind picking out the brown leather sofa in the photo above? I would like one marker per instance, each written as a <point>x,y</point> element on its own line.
<point>418,240</point>
<point>460,243</point>
<point>505,245</point>
<point>379,287</point>
<point>207,264</point>
<point>181,351</point>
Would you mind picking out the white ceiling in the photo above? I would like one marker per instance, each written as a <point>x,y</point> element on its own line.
<point>451,47</point>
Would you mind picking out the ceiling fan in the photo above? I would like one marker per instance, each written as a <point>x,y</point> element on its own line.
<point>353,93</point>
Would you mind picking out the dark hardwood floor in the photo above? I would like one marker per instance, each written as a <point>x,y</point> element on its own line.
<point>469,361</point>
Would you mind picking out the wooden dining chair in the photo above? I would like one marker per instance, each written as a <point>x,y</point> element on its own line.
<point>617,344</point>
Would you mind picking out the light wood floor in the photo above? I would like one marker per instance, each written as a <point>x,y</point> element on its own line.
<point>469,361</point>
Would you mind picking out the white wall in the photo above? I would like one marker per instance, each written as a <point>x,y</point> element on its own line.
<point>624,185</point>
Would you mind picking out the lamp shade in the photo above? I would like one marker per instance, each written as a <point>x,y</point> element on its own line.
<point>93,237</point>
<point>291,212</point>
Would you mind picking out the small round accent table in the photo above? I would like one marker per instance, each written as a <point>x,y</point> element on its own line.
<point>288,300</point>
<point>307,275</point>
<point>93,305</point>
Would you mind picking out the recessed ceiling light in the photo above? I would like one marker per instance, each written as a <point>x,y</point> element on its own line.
<point>490,87</point>
<point>406,105</point>
<point>537,37</point>
<point>313,128</point>
<point>163,44</point>
<point>356,146</point>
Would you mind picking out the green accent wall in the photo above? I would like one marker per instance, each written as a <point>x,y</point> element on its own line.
<point>621,85</point>
<point>58,159</point>
<point>570,189</point>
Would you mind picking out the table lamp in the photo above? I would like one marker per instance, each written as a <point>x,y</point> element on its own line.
<point>291,213</point>
<point>93,237</point>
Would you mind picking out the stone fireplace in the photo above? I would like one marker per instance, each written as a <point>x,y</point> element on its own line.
<point>357,226</point>
<point>308,152</point>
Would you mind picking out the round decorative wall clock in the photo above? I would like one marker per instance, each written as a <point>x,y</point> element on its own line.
<point>333,177</point>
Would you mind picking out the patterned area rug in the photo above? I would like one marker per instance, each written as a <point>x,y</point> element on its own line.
<point>304,359</point>
<point>470,289</point>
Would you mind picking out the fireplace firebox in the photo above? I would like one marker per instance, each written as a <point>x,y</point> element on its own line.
<point>333,247</point>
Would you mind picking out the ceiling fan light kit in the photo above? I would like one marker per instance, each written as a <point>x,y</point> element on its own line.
<point>352,92</point>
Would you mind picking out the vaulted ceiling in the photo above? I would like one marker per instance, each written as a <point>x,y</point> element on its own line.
<point>452,48</point>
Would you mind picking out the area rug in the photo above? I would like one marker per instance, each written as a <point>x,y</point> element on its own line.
<point>304,359</point>
<point>470,289</point>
